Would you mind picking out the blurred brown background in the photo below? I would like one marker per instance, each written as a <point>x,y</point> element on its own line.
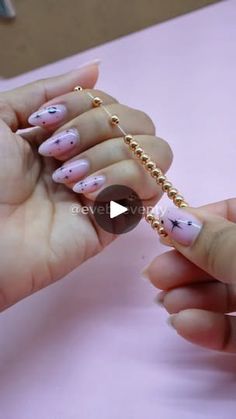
<point>47,30</point>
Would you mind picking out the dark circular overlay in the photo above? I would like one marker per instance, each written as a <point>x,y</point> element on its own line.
<point>108,199</point>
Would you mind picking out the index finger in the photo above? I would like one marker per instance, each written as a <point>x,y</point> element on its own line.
<point>16,105</point>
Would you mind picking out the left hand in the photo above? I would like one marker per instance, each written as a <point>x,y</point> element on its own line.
<point>41,240</point>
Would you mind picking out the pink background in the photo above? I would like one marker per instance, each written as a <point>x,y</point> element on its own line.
<point>94,346</point>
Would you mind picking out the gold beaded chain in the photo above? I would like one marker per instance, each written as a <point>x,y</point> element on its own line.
<point>149,165</point>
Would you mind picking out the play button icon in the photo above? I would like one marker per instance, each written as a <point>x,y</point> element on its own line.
<point>118,209</point>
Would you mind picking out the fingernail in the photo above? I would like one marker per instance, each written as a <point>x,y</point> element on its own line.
<point>60,143</point>
<point>96,61</point>
<point>71,172</point>
<point>90,184</point>
<point>50,115</point>
<point>144,273</point>
<point>180,225</point>
<point>170,320</point>
<point>160,298</point>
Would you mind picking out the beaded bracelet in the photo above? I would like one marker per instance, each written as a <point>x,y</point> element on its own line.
<point>149,165</point>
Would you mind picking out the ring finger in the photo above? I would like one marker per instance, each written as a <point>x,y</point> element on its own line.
<point>102,155</point>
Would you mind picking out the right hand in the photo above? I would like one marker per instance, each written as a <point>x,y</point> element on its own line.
<point>198,278</point>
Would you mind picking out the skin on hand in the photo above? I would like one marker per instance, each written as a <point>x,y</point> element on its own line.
<point>79,155</point>
<point>198,278</point>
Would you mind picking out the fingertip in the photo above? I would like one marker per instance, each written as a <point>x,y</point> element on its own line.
<point>201,327</point>
<point>152,273</point>
<point>159,300</point>
<point>145,273</point>
<point>189,322</point>
<point>31,119</point>
<point>88,74</point>
<point>94,62</point>
<point>170,321</point>
<point>43,150</point>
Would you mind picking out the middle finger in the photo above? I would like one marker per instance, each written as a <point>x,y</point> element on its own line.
<point>93,127</point>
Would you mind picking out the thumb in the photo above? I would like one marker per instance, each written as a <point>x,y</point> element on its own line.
<point>16,105</point>
<point>206,236</point>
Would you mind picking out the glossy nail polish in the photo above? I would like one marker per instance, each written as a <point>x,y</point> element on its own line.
<point>180,225</point>
<point>90,184</point>
<point>71,172</point>
<point>50,115</point>
<point>60,143</point>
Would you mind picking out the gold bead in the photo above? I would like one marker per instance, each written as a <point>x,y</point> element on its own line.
<point>183,204</point>
<point>144,158</point>
<point>128,138</point>
<point>166,186</point>
<point>155,224</point>
<point>149,218</point>
<point>178,199</point>
<point>156,172</point>
<point>150,165</point>
<point>138,151</point>
<point>97,101</point>
<point>78,89</point>
<point>115,120</point>
<point>133,145</point>
<point>161,179</point>
<point>172,193</point>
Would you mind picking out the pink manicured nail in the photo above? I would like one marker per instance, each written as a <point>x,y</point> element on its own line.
<point>180,225</point>
<point>71,172</point>
<point>60,143</point>
<point>90,184</point>
<point>50,115</point>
